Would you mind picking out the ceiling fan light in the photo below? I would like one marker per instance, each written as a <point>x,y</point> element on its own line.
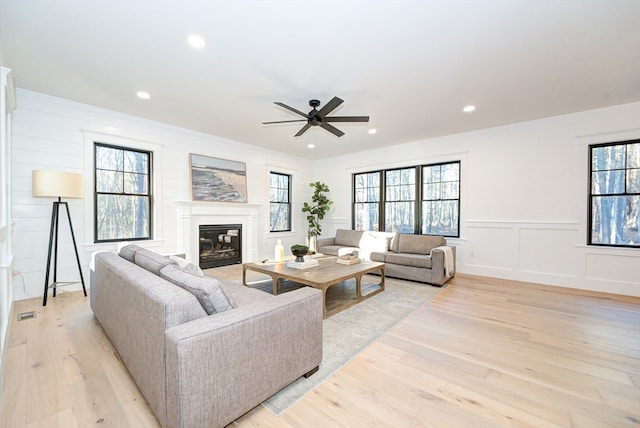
<point>196,41</point>
<point>143,95</point>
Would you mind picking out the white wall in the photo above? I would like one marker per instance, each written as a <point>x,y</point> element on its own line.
<point>53,133</point>
<point>7,102</point>
<point>523,189</point>
<point>523,197</point>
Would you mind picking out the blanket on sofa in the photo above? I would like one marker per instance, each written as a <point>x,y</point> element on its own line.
<point>448,258</point>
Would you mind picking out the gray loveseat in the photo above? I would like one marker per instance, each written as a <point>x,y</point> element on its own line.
<point>206,352</point>
<point>423,258</point>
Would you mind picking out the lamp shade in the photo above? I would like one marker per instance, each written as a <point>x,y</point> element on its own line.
<point>57,184</point>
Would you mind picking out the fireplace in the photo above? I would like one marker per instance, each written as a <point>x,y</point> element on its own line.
<point>220,245</point>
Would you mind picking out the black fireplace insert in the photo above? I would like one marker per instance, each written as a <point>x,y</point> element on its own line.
<point>220,245</point>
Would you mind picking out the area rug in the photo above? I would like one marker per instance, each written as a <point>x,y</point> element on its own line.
<point>349,332</point>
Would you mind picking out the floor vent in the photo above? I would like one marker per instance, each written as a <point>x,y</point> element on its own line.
<point>26,315</point>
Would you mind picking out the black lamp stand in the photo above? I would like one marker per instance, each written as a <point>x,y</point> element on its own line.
<point>53,245</point>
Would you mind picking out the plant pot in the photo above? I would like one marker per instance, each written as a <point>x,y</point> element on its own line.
<point>299,251</point>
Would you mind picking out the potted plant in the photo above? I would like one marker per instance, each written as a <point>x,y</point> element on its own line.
<point>299,251</point>
<point>316,210</point>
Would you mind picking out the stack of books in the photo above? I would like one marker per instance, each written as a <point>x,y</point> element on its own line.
<point>348,261</point>
<point>303,265</point>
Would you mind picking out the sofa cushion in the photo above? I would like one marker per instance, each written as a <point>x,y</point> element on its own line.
<point>151,261</point>
<point>418,244</point>
<point>128,252</point>
<point>206,289</point>
<point>378,257</point>
<point>407,259</point>
<point>348,238</point>
<point>241,295</point>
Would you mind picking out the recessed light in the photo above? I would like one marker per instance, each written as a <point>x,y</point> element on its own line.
<point>469,109</point>
<point>196,41</point>
<point>372,131</point>
<point>143,95</point>
<point>310,146</point>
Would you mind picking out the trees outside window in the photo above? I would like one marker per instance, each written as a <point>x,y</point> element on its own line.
<point>614,194</point>
<point>400,200</point>
<point>366,205</point>
<point>279,202</point>
<point>441,199</point>
<point>389,200</point>
<point>123,200</point>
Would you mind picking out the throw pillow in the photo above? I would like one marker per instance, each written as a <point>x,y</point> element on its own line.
<point>376,243</point>
<point>206,289</point>
<point>187,265</point>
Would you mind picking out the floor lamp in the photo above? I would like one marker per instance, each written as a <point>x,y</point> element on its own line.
<point>58,184</point>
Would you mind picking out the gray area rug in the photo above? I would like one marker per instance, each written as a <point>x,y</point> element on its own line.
<point>349,332</point>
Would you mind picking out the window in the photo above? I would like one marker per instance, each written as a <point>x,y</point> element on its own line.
<point>280,202</point>
<point>441,199</point>
<point>122,204</point>
<point>366,206</point>
<point>614,194</point>
<point>419,199</point>
<point>400,200</point>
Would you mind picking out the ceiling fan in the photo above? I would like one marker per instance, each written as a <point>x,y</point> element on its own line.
<point>319,117</point>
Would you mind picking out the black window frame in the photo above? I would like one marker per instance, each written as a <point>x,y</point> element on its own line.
<point>148,194</point>
<point>286,203</point>
<point>418,200</point>
<point>625,193</point>
<point>366,201</point>
<point>423,199</point>
<point>398,200</point>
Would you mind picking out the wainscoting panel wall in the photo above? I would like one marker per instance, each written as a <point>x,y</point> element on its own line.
<point>523,197</point>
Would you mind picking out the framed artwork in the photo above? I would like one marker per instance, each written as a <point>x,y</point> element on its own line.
<point>217,180</point>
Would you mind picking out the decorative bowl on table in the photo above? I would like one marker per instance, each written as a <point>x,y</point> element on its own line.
<point>299,251</point>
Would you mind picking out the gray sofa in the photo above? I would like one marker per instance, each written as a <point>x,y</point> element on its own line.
<point>423,258</point>
<point>206,352</point>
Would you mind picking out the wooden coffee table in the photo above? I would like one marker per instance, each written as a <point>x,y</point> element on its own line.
<point>323,276</point>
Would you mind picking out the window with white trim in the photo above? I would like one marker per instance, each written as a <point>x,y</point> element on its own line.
<point>279,202</point>
<point>614,194</point>
<point>122,195</point>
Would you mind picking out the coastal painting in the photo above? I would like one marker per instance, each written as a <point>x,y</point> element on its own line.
<point>218,180</point>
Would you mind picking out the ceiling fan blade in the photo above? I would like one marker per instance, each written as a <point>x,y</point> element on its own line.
<point>347,119</point>
<point>302,130</point>
<point>332,129</point>
<point>285,121</point>
<point>330,106</point>
<point>291,109</point>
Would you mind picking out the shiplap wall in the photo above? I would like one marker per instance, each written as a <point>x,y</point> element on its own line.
<point>523,197</point>
<point>53,133</point>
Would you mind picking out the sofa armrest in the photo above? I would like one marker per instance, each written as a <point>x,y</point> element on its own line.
<point>438,274</point>
<point>223,365</point>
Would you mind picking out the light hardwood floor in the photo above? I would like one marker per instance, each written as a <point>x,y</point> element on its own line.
<point>483,353</point>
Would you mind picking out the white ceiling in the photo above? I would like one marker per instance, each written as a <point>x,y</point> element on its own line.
<point>410,65</point>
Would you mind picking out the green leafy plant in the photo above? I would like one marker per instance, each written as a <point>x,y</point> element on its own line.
<point>318,207</point>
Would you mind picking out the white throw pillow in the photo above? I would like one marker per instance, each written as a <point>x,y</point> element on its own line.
<point>376,243</point>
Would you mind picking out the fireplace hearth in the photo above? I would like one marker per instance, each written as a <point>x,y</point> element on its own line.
<point>220,245</point>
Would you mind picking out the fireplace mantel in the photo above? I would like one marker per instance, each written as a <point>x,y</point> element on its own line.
<point>193,214</point>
